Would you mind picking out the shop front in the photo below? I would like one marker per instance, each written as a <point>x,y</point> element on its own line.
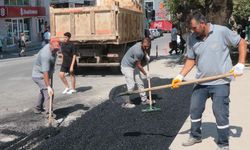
<point>16,20</point>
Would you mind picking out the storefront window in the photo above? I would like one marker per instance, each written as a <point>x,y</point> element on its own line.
<point>27,29</point>
<point>15,27</point>
<point>9,32</point>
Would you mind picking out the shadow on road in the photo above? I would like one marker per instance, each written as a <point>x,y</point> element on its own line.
<point>83,89</point>
<point>209,129</point>
<point>64,112</point>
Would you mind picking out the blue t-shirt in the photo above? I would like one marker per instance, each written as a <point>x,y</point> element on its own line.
<point>212,55</point>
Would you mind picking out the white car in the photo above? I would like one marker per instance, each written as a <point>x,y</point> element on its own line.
<point>155,32</point>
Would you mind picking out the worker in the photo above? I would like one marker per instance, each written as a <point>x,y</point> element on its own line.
<point>208,50</point>
<point>131,66</point>
<point>42,73</point>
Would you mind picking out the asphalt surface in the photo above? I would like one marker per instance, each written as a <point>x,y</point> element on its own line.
<point>110,127</point>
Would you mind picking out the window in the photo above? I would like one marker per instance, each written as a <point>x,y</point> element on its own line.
<point>6,2</point>
<point>38,3</point>
<point>25,2</point>
<point>16,2</point>
<point>13,2</point>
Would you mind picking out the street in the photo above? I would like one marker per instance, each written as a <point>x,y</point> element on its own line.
<point>93,118</point>
<point>19,93</point>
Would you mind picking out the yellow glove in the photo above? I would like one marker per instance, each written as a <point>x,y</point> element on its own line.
<point>176,80</point>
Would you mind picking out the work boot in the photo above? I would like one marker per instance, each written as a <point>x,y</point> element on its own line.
<point>223,148</point>
<point>147,102</point>
<point>38,110</point>
<point>128,105</point>
<point>191,141</point>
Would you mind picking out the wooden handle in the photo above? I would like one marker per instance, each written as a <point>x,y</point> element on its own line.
<point>50,110</point>
<point>180,84</point>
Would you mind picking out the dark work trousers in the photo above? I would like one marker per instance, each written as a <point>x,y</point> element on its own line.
<point>43,95</point>
<point>174,47</point>
<point>220,98</point>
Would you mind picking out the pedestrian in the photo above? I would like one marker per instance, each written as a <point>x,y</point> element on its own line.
<point>131,66</point>
<point>208,49</point>
<point>42,73</point>
<point>22,44</point>
<point>174,45</point>
<point>46,36</point>
<point>1,48</point>
<point>69,64</point>
<point>182,44</point>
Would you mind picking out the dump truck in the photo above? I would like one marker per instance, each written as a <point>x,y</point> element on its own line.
<point>101,33</point>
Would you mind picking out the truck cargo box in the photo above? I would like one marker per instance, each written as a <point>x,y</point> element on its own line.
<point>98,24</point>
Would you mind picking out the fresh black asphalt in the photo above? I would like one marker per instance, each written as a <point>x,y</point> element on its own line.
<point>110,127</point>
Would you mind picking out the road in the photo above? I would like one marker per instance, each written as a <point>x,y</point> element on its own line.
<point>18,95</point>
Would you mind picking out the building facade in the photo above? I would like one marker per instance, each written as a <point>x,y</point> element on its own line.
<point>22,16</point>
<point>161,12</point>
<point>28,16</point>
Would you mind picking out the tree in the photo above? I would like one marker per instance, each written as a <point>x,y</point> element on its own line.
<point>217,11</point>
<point>241,11</point>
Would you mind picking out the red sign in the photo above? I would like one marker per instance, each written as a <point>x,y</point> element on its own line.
<point>13,11</point>
<point>163,24</point>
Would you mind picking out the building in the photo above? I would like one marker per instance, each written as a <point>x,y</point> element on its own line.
<point>72,3</point>
<point>159,9</point>
<point>28,16</point>
<point>17,16</point>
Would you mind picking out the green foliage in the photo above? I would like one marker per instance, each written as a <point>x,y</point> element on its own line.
<point>241,10</point>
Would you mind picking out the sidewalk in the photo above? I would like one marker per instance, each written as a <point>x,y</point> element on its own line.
<point>14,51</point>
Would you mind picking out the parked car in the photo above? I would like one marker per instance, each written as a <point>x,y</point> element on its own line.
<point>148,34</point>
<point>160,31</point>
<point>155,33</point>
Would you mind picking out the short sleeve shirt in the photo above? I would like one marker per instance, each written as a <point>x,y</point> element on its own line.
<point>68,50</point>
<point>45,62</point>
<point>212,54</point>
<point>174,34</point>
<point>135,53</point>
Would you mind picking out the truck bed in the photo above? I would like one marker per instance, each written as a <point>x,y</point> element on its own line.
<point>98,24</point>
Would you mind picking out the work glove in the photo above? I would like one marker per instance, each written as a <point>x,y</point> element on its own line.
<point>50,91</point>
<point>238,69</point>
<point>148,76</point>
<point>176,80</point>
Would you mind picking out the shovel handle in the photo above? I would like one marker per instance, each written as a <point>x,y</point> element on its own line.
<point>195,81</point>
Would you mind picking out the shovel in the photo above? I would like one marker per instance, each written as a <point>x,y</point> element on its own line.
<point>195,81</point>
<point>151,108</point>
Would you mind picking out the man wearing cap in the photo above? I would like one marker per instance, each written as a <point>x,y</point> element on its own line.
<point>42,73</point>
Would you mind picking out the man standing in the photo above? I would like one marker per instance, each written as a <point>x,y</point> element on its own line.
<point>68,64</point>
<point>174,33</point>
<point>208,49</point>
<point>47,36</point>
<point>131,66</point>
<point>42,73</point>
